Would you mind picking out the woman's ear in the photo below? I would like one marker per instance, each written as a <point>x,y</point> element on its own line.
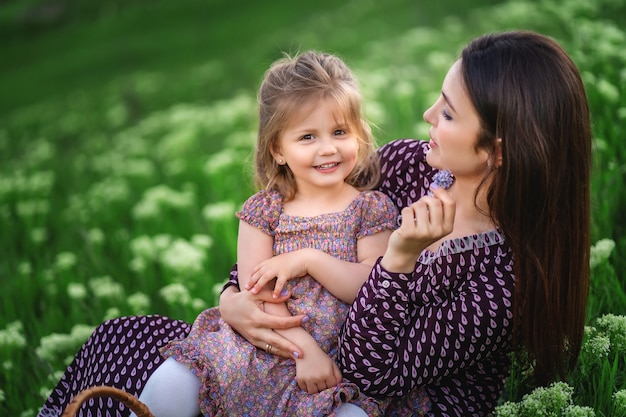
<point>498,153</point>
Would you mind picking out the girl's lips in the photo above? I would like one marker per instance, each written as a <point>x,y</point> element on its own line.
<point>327,167</point>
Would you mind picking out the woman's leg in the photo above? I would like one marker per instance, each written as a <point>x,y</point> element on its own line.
<point>172,391</point>
<point>122,353</point>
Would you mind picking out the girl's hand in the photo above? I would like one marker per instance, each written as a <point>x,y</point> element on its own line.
<point>317,372</point>
<point>283,267</point>
<point>423,223</point>
<point>243,311</point>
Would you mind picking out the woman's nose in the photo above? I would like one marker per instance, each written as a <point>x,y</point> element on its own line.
<point>428,114</point>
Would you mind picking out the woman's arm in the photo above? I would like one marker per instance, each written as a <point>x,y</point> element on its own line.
<point>242,310</point>
<point>404,331</point>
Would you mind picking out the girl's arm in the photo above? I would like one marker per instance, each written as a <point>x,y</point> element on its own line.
<point>343,279</point>
<point>318,372</point>
<point>253,246</point>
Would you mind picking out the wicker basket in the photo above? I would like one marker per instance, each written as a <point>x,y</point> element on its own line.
<point>130,401</point>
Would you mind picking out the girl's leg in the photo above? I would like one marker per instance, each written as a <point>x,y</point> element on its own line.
<point>172,391</point>
<point>349,410</point>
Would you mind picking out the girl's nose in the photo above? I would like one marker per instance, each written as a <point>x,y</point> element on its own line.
<point>327,146</point>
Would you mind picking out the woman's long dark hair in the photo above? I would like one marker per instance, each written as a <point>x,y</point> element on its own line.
<point>528,92</point>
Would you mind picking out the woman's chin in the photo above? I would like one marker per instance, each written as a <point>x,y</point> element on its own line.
<point>432,159</point>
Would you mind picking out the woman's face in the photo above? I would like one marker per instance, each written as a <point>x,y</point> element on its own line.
<point>454,130</point>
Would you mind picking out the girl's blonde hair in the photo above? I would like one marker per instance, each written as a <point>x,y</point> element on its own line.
<point>289,86</point>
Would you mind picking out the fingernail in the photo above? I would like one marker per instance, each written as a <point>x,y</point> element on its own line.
<point>284,293</point>
<point>305,319</point>
<point>296,354</point>
<point>434,186</point>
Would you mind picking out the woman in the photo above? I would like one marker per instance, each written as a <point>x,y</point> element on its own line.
<point>498,263</point>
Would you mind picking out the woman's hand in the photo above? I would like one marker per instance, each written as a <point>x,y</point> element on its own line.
<point>243,311</point>
<point>283,267</point>
<point>423,223</point>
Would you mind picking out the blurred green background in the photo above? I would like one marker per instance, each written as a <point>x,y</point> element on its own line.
<point>126,134</point>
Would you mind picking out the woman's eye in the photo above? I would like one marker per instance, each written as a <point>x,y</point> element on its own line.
<point>445,114</point>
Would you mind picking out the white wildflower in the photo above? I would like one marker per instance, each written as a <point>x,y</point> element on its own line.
<point>175,294</point>
<point>615,328</point>
<point>143,247</point>
<point>95,236</point>
<point>183,258</point>
<point>13,335</point>
<point>220,211</point>
<point>578,411</point>
<point>139,303</point>
<point>161,197</point>
<point>202,241</point>
<point>198,304</point>
<point>619,402</point>
<point>105,287</point>
<point>65,261</point>
<point>601,251</point>
<point>24,268</point>
<point>221,161</point>
<point>27,209</point>
<point>77,291</point>
<point>111,313</point>
<point>38,234</point>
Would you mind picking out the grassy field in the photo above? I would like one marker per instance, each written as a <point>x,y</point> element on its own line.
<point>126,130</point>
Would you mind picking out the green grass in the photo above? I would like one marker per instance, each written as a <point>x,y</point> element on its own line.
<point>126,131</point>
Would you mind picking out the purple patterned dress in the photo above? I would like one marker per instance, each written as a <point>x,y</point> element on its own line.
<point>241,380</point>
<point>121,353</point>
<point>460,357</point>
<point>446,326</point>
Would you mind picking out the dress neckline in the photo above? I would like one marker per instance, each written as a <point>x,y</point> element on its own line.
<point>463,244</point>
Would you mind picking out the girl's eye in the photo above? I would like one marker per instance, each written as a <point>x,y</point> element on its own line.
<point>445,114</point>
<point>307,137</point>
<point>339,132</point>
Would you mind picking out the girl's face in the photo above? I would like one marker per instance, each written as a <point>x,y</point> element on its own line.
<point>454,130</point>
<point>318,146</point>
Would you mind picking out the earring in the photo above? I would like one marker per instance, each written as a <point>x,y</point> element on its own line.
<point>280,161</point>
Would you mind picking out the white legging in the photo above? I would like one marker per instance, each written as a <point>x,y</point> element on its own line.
<point>172,391</point>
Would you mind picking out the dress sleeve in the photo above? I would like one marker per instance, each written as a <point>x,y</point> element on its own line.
<point>262,210</point>
<point>401,333</point>
<point>378,213</point>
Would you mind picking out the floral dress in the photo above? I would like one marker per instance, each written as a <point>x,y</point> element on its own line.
<point>241,380</point>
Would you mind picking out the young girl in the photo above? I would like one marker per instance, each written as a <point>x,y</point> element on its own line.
<point>315,156</point>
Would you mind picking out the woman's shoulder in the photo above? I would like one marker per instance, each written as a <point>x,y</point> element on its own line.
<point>402,149</point>
<point>404,173</point>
